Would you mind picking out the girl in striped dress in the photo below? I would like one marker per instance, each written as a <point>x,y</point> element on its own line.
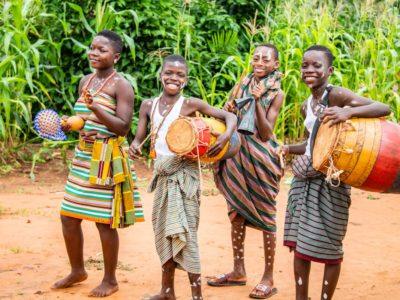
<point>250,180</point>
<point>317,212</point>
<point>100,185</point>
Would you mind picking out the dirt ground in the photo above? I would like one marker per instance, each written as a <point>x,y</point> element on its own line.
<point>33,256</point>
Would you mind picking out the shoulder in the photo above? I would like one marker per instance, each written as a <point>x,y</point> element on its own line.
<point>122,83</point>
<point>146,105</point>
<point>338,96</point>
<point>192,101</point>
<point>84,79</point>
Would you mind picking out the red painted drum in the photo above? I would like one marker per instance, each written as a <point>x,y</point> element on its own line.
<point>192,137</point>
<point>364,153</point>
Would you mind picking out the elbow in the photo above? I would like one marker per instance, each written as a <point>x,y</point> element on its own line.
<point>265,137</point>
<point>387,110</point>
<point>123,131</point>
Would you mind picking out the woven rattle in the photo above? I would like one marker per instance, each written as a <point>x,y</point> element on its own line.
<point>48,124</point>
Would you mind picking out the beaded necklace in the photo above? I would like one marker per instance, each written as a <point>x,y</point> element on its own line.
<point>86,94</point>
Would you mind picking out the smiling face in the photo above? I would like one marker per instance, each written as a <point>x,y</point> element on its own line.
<point>263,62</point>
<point>102,54</point>
<point>315,68</point>
<point>173,77</point>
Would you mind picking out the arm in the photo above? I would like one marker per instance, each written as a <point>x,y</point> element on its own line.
<point>144,117</point>
<point>121,122</point>
<point>346,104</point>
<point>297,149</point>
<point>266,122</point>
<point>229,118</point>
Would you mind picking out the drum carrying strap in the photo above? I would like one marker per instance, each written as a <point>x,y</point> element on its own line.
<point>322,105</point>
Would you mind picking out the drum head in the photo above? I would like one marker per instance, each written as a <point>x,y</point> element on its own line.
<point>324,144</point>
<point>181,136</point>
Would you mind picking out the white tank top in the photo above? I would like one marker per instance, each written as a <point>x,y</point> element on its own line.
<point>309,122</point>
<point>161,146</point>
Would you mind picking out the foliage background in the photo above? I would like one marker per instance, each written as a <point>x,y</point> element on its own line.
<point>45,44</point>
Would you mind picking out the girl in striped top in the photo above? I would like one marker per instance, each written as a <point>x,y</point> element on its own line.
<point>100,185</point>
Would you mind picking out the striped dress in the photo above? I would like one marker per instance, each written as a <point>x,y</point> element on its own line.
<point>317,213</point>
<point>250,180</point>
<point>83,200</point>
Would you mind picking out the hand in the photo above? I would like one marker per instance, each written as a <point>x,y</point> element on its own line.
<point>134,151</point>
<point>88,99</point>
<point>229,106</point>
<point>219,144</point>
<point>258,91</point>
<point>336,115</point>
<point>282,150</point>
<point>65,126</point>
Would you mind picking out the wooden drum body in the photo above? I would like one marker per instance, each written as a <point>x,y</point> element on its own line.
<point>363,153</point>
<point>192,137</point>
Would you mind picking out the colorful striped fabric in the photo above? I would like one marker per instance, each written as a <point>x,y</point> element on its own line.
<point>83,199</point>
<point>176,211</point>
<point>316,219</point>
<point>250,180</point>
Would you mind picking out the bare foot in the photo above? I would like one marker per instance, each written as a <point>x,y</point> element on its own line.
<point>72,278</point>
<point>104,289</point>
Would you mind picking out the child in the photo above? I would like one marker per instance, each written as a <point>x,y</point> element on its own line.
<point>250,180</point>
<point>100,180</point>
<point>317,212</point>
<point>176,181</point>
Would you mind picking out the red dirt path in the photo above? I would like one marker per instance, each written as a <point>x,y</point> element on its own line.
<point>33,256</point>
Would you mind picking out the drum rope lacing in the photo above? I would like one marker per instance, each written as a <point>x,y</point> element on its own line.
<point>333,173</point>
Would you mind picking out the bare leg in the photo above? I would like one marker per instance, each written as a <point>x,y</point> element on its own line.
<point>195,283</point>
<point>109,244</point>
<point>331,277</point>
<point>301,277</point>
<point>269,254</point>
<point>238,234</point>
<point>167,284</point>
<point>73,238</point>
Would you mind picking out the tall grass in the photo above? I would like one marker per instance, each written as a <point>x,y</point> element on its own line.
<point>45,43</point>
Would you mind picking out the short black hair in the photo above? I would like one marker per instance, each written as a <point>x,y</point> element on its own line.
<point>325,50</point>
<point>114,38</point>
<point>273,47</point>
<point>174,58</point>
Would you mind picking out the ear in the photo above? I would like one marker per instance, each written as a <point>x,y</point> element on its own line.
<point>117,56</point>
<point>276,64</point>
<point>330,70</point>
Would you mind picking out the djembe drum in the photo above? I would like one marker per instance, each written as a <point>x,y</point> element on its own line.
<point>192,137</point>
<point>363,153</point>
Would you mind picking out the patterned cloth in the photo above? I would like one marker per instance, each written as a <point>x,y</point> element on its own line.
<point>111,199</point>
<point>176,211</point>
<point>250,180</point>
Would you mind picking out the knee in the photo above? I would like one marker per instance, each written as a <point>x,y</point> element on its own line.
<point>105,228</point>
<point>69,223</point>
<point>238,221</point>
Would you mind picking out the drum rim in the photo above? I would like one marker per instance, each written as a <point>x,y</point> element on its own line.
<point>194,140</point>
